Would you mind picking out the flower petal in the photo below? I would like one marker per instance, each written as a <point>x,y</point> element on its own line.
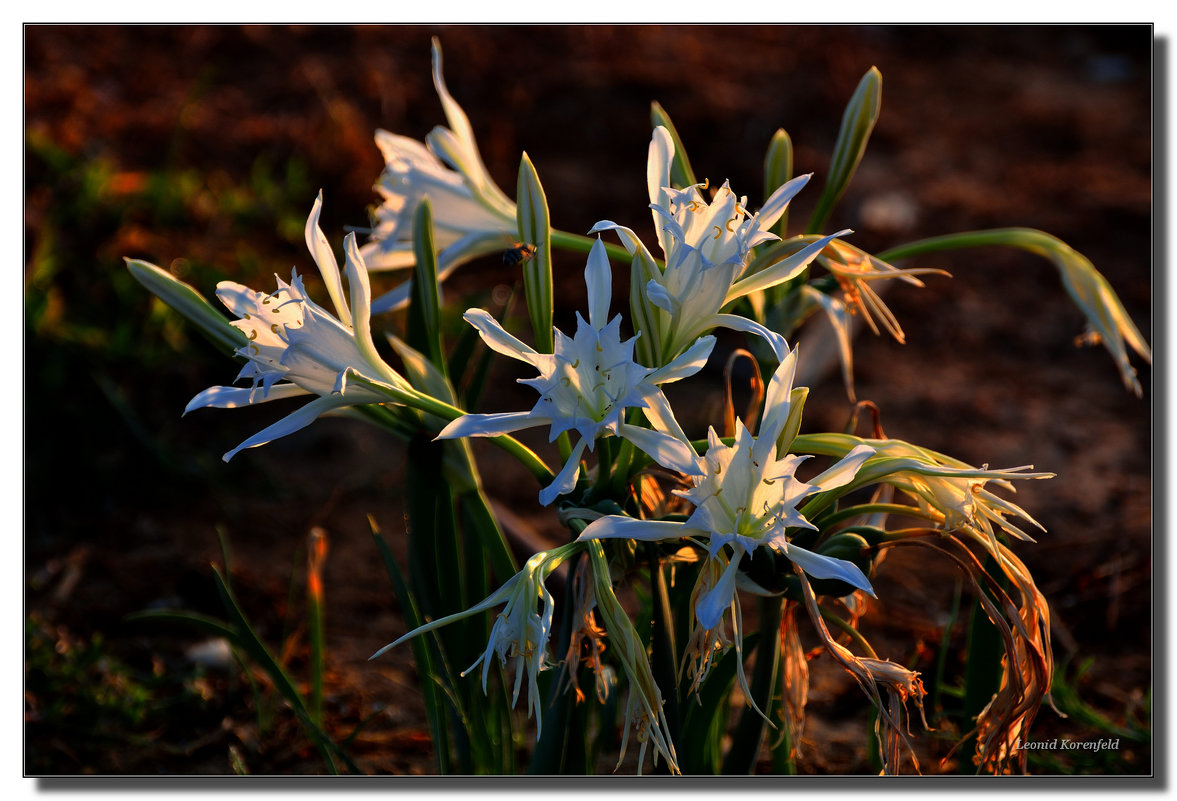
<point>844,471</point>
<point>325,258</point>
<point>710,608</point>
<point>779,346</point>
<point>663,449</point>
<point>598,278</point>
<point>489,425</point>
<point>234,397</point>
<point>781,271</point>
<point>299,419</point>
<point>566,480</point>
<point>828,567</point>
<point>658,175</point>
<point>628,528</point>
<point>497,338</point>
<point>686,364</point>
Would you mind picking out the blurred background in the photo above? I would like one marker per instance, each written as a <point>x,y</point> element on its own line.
<point>201,149</point>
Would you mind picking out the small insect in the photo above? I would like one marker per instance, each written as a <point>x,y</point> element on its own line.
<point>518,254</point>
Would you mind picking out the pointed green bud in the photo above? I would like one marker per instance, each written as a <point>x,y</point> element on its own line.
<point>191,305</point>
<point>797,399</point>
<point>857,123</point>
<point>778,169</point>
<point>535,252</point>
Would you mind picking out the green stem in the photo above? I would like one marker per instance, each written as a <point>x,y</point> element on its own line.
<point>582,244</point>
<point>1026,238</point>
<point>431,405</point>
<point>841,624</point>
<point>859,510</point>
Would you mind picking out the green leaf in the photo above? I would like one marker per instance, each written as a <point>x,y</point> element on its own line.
<point>535,229</point>
<point>857,123</point>
<point>424,321</point>
<point>681,174</point>
<point>191,305</point>
<point>748,736</point>
<point>434,710</point>
<point>1106,315</point>
<point>703,724</point>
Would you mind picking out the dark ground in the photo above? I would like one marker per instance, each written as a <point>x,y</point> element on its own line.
<point>203,148</point>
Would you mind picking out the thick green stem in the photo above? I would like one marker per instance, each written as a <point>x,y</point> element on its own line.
<point>431,405</point>
<point>582,244</point>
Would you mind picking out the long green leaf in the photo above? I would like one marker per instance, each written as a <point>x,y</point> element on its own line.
<point>424,320</point>
<point>252,644</point>
<point>750,731</point>
<point>702,727</point>
<point>1106,315</point>
<point>426,668</point>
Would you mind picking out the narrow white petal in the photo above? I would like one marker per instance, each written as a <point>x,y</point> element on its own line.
<point>598,278</point>
<point>661,416</point>
<point>234,397</point>
<point>295,421</point>
<point>844,471</point>
<point>324,257</point>
<point>663,449</point>
<point>686,364</point>
<point>628,528</point>
<point>841,321</point>
<point>566,480</point>
<point>391,301</point>
<point>628,238</point>
<point>776,398</point>
<point>781,271</point>
<point>489,425</point>
<point>779,346</point>
<point>827,567</point>
<point>658,176</point>
<point>775,206</point>
<point>710,608</point>
<point>361,299</point>
<point>497,338</point>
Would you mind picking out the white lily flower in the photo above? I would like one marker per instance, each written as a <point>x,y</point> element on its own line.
<point>471,215</point>
<point>706,247</point>
<point>296,347</point>
<point>746,497</point>
<point>520,633</point>
<point>586,384</point>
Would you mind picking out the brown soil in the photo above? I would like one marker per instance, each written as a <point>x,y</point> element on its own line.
<point>981,127</point>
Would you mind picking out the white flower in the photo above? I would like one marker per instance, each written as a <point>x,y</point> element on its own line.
<point>296,347</point>
<point>521,632</point>
<point>471,215</point>
<point>706,247</point>
<point>586,384</point>
<point>746,497</point>
<point>955,491</point>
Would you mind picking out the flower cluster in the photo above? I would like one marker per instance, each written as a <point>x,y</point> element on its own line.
<point>749,512</point>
